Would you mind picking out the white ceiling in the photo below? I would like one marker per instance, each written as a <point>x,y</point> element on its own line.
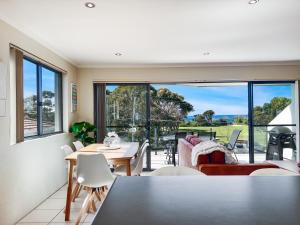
<point>160,32</point>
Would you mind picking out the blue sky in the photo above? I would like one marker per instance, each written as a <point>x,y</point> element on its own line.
<point>225,100</point>
<point>48,79</point>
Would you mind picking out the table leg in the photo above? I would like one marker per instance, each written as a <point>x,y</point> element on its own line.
<point>128,167</point>
<point>69,192</point>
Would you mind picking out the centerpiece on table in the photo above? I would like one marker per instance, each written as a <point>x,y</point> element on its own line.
<point>112,140</point>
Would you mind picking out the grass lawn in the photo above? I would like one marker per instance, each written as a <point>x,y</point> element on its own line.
<point>223,133</point>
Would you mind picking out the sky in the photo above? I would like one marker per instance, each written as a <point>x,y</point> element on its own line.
<point>30,82</point>
<point>225,100</point>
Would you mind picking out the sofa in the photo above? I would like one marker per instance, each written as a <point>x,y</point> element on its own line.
<point>214,163</point>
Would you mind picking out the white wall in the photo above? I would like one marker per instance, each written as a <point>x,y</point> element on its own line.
<point>32,170</point>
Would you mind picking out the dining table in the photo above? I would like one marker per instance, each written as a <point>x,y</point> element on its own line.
<point>118,154</point>
<point>201,200</point>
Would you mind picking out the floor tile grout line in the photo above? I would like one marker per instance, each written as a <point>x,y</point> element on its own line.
<point>39,204</point>
<point>56,215</point>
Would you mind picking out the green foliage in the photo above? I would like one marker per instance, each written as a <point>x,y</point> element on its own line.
<point>48,109</point>
<point>240,120</point>
<point>205,119</point>
<point>84,132</point>
<point>266,113</point>
<point>167,105</point>
<point>220,122</point>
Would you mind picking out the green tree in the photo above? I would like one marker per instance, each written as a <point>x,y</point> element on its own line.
<point>208,115</point>
<point>167,105</point>
<point>201,120</point>
<point>266,113</point>
<point>240,120</point>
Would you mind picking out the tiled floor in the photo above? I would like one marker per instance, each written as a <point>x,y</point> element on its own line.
<point>51,211</point>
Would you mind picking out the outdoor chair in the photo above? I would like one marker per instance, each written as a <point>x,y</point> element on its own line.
<point>232,141</point>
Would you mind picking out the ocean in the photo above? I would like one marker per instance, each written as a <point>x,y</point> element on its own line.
<point>229,118</point>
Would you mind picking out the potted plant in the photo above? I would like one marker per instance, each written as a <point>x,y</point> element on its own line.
<point>84,132</point>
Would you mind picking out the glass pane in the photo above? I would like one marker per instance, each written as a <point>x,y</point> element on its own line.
<point>50,110</point>
<point>30,98</point>
<point>274,119</point>
<point>126,111</point>
<point>273,104</point>
<point>208,110</point>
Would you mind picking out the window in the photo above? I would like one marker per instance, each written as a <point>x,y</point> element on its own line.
<point>42,88</point>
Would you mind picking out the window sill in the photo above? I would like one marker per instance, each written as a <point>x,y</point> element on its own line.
<point>42,136</point>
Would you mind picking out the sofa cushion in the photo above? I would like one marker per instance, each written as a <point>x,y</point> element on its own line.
<point>232,169</point>
<point>189,137</point>
<point>203,159</point>
<point>195,140</point>
<point>217,157</point>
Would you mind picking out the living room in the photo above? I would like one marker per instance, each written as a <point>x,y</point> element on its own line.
<point>76,49</point>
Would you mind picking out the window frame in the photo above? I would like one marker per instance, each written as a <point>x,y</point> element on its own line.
<point>39,67</point>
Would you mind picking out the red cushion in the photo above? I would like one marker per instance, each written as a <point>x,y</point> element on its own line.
<point>203,159</point>
<point>189,137</point>
<point>195,140</point>
<point>217,157</point>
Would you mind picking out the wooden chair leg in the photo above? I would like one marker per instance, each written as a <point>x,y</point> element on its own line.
<point>78,192</point>
<point>85,207</point>
<point>93,205</point>
<point>75,192</point>
<point>97,193</point>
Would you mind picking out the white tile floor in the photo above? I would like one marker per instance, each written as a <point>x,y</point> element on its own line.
<point>51,211</point>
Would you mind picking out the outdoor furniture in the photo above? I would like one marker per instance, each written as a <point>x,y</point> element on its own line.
<point>191,200</point>
<point>273,172</point>
<point>121,156</point>
<point>78,145</point>
<point>279,138</point>
<point>176,171</point>
<point>136,165</point>
<point>232,141</point>
<point>93,173</point>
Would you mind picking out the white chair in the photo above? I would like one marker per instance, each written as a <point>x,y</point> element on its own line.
<point>273,172</point>
<point>68,150</point>
<point>136,164</point>
<point>78,145</point>
<point>93,173</point>
<point>176,171</point>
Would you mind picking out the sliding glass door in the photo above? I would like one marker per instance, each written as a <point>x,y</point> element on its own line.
<point>126,111</point>
<point>273,120</point>
<point>162,113</point>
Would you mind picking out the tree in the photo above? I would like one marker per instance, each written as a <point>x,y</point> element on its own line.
<point>240,120</point>
<point>167,105</point>
<point>266,113</point>
<point>208,115</point>
<point>200,119</point>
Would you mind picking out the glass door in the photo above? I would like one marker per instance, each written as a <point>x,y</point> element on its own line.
<point>273,121</point>
<point>126,111</point>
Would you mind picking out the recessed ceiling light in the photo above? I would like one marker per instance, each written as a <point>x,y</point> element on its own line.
<point>251,2</point>
<point>206,53</point>
<point>90,5</point>
<point>118,54</point>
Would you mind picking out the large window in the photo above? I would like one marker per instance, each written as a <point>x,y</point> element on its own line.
<point>42,99</point>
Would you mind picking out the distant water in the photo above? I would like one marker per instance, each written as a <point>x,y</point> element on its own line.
<point>229,118</point>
